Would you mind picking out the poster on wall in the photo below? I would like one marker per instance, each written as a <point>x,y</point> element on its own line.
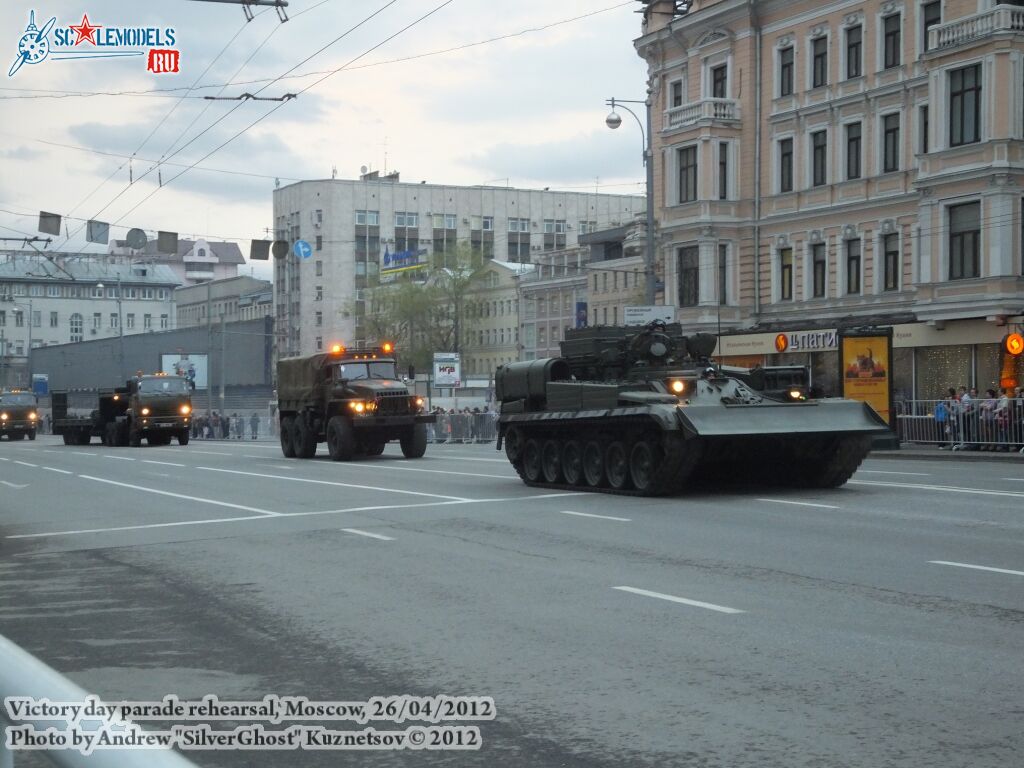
<point>447,369</point>
<point>865,368</point>
<point>192,367</point>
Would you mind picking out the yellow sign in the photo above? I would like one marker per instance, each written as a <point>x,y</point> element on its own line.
<point>781,343</point>
<point>866,374</point>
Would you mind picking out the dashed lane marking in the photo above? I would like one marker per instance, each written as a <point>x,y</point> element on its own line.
<point>599,517</point>
<point>978,567</point>
<point>800,503</point>
<point>358,532</point>
<point>200,499</point>
<point>682,600</point>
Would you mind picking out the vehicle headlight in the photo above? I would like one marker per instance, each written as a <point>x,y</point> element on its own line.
<point>145,411</point>
<point>357,406</point>
<point>3,417</point>
<point>795,394</point>
<point>186,409</point>
<point>677,386</point>
<point>33,416</point>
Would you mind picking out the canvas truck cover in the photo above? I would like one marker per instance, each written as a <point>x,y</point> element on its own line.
<point>301,378</point>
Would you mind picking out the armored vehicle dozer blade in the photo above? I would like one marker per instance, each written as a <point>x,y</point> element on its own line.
<point>654,416</point>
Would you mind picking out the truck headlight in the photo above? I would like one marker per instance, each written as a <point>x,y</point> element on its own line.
<point>3,417</point>
<point>33,416</point>
<point>357,406</point>
<point>145,411</point>
<point>186,409</point>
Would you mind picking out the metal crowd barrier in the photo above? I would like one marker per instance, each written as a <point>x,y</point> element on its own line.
<point>23,675</point>
<point>463,428</point>
<point>983,425</point>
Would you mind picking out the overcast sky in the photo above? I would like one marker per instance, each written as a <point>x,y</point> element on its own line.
<point>528,109</point>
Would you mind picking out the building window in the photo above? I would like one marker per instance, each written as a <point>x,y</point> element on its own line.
<point>786,165</point>
<point>129,320</point>
<point>97,320</point>
<point>97,292</point>
<point>819,157</point>
<point>319,293</point>
<point>319,343</point>
<point>923,112</point>
<point>147,293</point>
<point>3,317</point>
<point>687,174</point>
<point>820,269</point>
<point>53,291</point>
<point>689,276</point>
<point>164,320</point>
<point>19,319</point>
<point>319,319</point>
<point>853,266</point>
<point>76,327</point>
<point>723,171</point>
<point>719,79</point>
<point>891,255</point>
<point>964,241</point>
<point>518,225</point>
<point>819,62</point>
<point>53,320</point>
<point>931,15</point>
<point>853,144</point>
<point>488,223</point>
<point>113,319</point>
<point>786,274</point>
<point>890,143</point>
<point>675,90</point>
<point>854,52</point>
<point>786,72</point>
<point>147,322</point>
<point>368,218</point>
<point>319,242</point>
<point>319,269</point>
<point>37,318</point>
<point>891,40</point>
<point>723,274</point>
<point>965,105</point>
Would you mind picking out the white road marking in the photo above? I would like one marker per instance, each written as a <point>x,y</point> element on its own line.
<point>61,471</point>
<point>357,532</point>
<point>1014,479</point>
<point>25,463</point>
<point>940,488</point>
<point>144,489</point>
<point>683,600</point>
<point>3,459</point>
<point>800,503</point>
<point>163,463</point>
<point>332,482</point>
<point>250,456</point>
<point>599,517</point>
<point>465,458</point>
<point>191,450</point>
<point>13,485</point>
<point>47,450</point>
<point>120,458</point>
<point>391,467</point>
<point>887,472</point>
<point>317,513</point>
<point>978,567</point>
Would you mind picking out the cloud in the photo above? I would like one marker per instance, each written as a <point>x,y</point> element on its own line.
<point>22,153</point>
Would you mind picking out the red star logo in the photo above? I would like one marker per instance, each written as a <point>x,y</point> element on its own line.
<point>85,30</point>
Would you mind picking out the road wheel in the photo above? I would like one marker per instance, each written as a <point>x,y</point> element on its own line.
<point>616,462</point>
<point>551,461</point>
<point>341,443</point>
<point>643,464</point>
<point>183,437</point>
<point>531,460</point>
<point>414,444</point>
<point>514,444</point>
<point>593,464</point>
<point>572,462</point>
<point>66,438</point>
<point>32,435</point>
<point>374,449</point>
<point>287,448</point>
<point>303,439</point>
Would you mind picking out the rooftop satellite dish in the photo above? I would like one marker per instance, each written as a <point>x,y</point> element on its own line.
<point>279,249</point>
<point>363,169</point>
<point>136,239</point>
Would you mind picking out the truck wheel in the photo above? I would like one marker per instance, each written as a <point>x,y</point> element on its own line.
<point>414,443</point>
<point>341,443</point>
<point>303,439</point>
<point>66,438</point>
<point>183,436</point>
<point>134,437</point>
<point>374,449</point>
<point>286,437</point>
<point>514,444</point>
<point>32,435</point>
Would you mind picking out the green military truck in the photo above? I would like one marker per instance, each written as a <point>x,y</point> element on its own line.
<point>351,399</point>
<point>156,407</point>
<point>18,414</point>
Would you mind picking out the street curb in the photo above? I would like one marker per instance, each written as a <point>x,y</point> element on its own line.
<point>1004,457</point>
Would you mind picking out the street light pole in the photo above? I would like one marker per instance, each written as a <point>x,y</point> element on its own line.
<point>613,121</point>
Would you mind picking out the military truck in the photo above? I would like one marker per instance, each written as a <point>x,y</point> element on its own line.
<point>156,407</point>
<point>645,412</point>
<point>351,399</point>
<point>18,414</point>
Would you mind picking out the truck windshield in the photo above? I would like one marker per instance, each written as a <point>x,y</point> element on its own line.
<point>164,385</point>
<point>17,398</point>
<point>380,369</point>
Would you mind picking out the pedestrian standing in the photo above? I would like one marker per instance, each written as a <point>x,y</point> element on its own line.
<point>254,424</point>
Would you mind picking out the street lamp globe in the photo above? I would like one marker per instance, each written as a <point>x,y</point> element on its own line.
<point>100,286</point>
<point>614,120</point>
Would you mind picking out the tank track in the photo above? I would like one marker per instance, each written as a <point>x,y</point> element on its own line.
<point>679,456</point>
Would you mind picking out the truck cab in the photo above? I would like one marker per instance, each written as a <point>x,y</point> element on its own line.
<point>18,414</point>
<point>351,399</point>
<point>159,408</point>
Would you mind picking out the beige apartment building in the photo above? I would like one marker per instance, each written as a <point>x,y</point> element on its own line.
<point>491,318</point>
<point>827,164</point>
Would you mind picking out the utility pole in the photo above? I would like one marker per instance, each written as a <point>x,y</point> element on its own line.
<point>223,345</point>
<point>209,355</point>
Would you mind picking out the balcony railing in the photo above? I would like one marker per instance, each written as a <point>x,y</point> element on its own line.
<point>706,109</point>
<point>1002,18</point>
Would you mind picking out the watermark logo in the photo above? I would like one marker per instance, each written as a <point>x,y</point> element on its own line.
<point>88,40</point>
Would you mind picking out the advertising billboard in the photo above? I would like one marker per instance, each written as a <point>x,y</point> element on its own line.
<point>865,359</point>
<point>644,315</point>
<point>447,369</point>
<point>193,367</point>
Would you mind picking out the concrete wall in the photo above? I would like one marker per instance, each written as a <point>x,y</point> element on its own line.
<point>93,364</point>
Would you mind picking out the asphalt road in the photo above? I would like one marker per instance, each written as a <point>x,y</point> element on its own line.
<point>734,628</point>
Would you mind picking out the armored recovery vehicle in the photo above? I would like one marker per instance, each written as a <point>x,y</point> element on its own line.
<point>18,415</point>
<point>645,412</point>
<point>351,399</point>
<point>155,407</point>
